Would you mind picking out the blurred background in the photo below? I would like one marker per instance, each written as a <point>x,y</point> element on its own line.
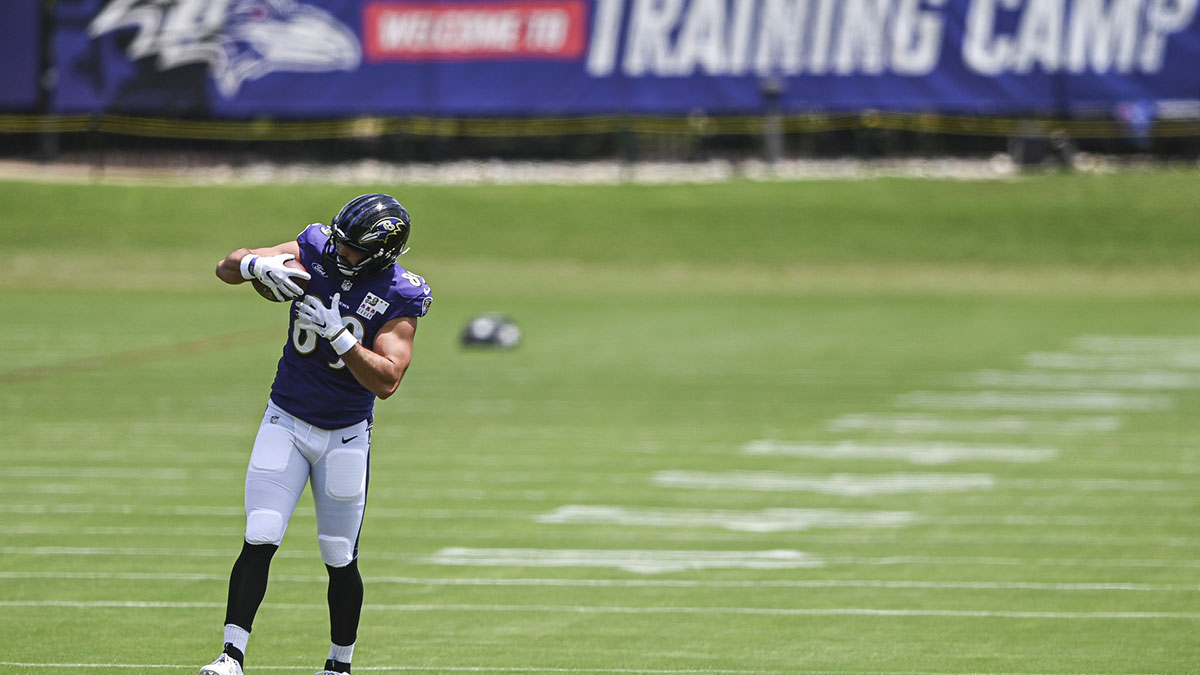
<point>245,82</point>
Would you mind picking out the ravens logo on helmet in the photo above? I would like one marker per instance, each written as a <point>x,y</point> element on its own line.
<point>375,225</point>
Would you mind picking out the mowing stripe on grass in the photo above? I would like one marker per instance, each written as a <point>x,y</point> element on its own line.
<point>1098,401</point>
<point>117,473</point>
<point>17,530</point>
<point>1155,344</point>
<point>582,609</point>
<point>645,583</point>
<point>123,509</point>
<point>234,511</point>
<point>925,423</point>
<point>915,452</point>
<point>1100,484</point>
<point>140,355</point>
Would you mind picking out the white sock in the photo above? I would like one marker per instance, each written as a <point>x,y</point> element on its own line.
<point>340,653</point>
<point>237,636</point>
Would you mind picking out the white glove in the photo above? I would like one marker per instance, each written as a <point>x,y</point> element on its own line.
<point>312,314</point>
<point>273,274</point>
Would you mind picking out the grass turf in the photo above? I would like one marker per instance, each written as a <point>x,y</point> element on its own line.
<point>666,328</point>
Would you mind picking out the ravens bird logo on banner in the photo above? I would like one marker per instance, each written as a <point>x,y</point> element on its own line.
<point>239,41</point>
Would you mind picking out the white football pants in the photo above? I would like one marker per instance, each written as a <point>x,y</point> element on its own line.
<point>288,453</point>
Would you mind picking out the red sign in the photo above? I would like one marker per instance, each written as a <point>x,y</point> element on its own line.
<point>469,31</point>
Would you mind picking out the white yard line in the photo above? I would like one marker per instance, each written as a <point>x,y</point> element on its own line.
<point>842,484</point>
<point>791,520</point>
<point>638,561</point>
<point>766,520</point>
<point>990,501</point>
<point>543,669</point>
<point>652,561</point>
<point>1123,587</point>
<point>928,423</point>
<point>1148,380</point>
<point>643,561</point>
<point>1055,538</point>
<point>1076,401</point>
<point>462,669</point>
<point>1051,538</point>
<point>583,609</point>
<point>1116,361</point>
<point>859,485</point>
<point>914,452</point>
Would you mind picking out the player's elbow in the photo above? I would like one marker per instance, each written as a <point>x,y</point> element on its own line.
<point>386,392</point>
<point>385,389</point>
<point>228,269</point>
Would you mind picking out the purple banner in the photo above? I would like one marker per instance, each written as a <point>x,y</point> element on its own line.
<point>293,58</point>
<point>21,54</point>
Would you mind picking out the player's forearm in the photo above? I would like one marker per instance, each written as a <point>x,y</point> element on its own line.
<point>375,372</point>
<point>228,269</point>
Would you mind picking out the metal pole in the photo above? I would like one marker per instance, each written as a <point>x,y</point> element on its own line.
<point>49,142</point>
<point>772,91</point>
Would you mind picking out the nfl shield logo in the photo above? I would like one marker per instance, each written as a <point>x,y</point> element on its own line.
<point>346,285</point>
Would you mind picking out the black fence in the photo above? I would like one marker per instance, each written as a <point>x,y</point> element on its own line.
<point>146,141</point>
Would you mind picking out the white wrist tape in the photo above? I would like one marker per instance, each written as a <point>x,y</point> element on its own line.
<point>247,266</point>
<point>343,342</point>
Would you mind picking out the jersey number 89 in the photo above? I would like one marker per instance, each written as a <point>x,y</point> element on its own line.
<point>305,341</point>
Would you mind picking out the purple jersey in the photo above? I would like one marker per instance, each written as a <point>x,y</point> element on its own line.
<point>312,382</point>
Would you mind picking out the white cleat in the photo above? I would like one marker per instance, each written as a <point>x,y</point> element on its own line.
<point>224,665</point>
<point>330,672</point>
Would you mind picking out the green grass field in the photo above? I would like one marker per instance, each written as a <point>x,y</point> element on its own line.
<point>890,426</point>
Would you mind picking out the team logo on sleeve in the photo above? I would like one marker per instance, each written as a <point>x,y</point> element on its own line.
<point>372,305</point>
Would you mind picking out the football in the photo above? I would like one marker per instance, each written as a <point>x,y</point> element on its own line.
<point>266,292</point>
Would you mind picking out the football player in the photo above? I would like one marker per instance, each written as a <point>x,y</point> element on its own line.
<point>350,340</point>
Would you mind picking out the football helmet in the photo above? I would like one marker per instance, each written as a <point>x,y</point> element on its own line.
<point>491,330</point>
<point>375,225</point>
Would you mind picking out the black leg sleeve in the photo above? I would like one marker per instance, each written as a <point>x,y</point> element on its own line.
<point>345,603</point>
<point>248,583</point>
